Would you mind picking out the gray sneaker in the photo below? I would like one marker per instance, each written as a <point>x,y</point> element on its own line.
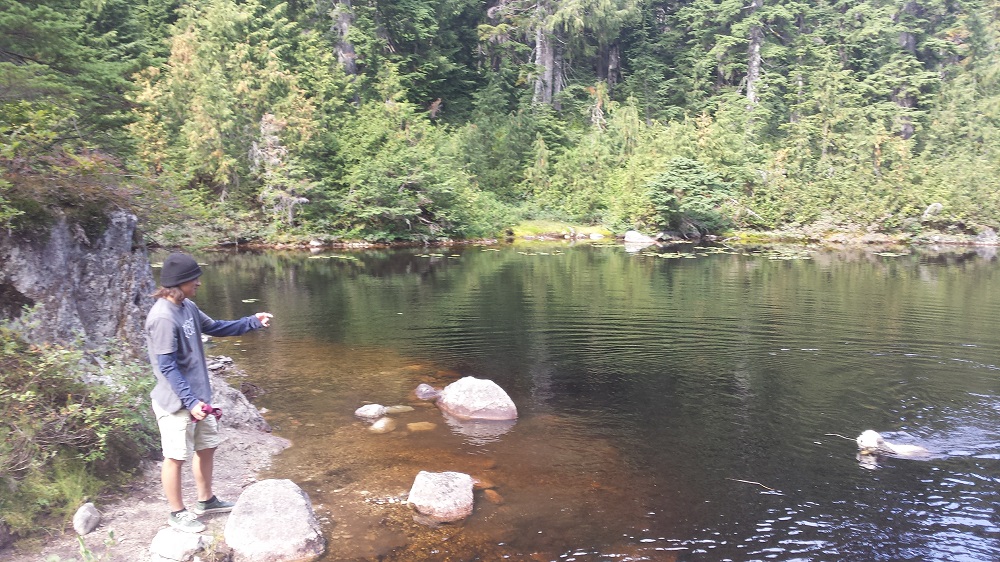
<point>214,505</point>
<point>185,521</point>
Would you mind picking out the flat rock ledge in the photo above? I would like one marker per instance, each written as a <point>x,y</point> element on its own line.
<point>273,521</point>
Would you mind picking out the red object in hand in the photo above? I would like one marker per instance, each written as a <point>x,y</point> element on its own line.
<point>209,410</point>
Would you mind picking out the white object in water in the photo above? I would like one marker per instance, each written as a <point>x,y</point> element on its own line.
<point>872,442</point>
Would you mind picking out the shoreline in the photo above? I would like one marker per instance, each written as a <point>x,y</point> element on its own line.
<point>799,237</point>
<point>133,513</point>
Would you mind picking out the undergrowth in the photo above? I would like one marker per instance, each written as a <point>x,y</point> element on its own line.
<point>68,440</point>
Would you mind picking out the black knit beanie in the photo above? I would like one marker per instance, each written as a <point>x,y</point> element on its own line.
<point>177,269</point>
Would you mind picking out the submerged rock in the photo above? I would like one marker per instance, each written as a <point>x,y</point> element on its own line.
<point>398,409</point>
<point>493,496</point>
<point>383,425</point>
<point>421,426</point>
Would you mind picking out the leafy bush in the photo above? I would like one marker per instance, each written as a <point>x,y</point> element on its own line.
<point>689,195</point>
<point>66,439</point>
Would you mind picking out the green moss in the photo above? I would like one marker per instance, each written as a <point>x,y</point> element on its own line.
<point>41,205</point>
<point>551,227</point>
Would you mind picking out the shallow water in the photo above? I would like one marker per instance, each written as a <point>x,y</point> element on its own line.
<point>675,403</point>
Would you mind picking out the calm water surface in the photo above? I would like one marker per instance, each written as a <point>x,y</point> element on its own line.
<point>673,406</point>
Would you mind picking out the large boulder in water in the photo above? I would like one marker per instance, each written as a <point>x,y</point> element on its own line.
<point>470,398</point>
<point>442,497</point>
<point>273,521</point>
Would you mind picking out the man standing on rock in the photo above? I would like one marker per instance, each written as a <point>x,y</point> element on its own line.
<point>183,394</point>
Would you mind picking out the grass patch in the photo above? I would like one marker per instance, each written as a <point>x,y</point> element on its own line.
<point>540,227</point>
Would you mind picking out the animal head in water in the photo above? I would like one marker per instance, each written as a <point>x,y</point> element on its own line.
<point>870,440</point>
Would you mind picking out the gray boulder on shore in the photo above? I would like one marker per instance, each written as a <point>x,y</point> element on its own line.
<point>273,521</point>
<point>86,519</point>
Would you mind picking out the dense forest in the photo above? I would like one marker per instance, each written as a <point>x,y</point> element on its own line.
<point>233,120</point>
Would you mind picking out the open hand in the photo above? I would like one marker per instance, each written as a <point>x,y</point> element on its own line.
<point>264,318</point>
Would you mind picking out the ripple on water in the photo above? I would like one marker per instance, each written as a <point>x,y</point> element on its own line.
<point>646,388</point>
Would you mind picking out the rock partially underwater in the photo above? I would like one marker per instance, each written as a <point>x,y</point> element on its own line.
<point>470,398</point>
<point>476,408</point>
<point>442,497</point>
<point>871,442</point>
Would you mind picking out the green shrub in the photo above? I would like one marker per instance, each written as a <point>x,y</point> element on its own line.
<point>67,440</point>
<point>687,194</point>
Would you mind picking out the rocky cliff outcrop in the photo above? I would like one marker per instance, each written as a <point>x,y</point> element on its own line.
<point>97,286</point>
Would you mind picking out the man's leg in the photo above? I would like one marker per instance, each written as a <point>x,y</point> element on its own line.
<point>204,463</point>
<point>170,476</point>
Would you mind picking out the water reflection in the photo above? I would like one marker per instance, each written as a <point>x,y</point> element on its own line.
<point>479,432</point>
<point>673,402</point>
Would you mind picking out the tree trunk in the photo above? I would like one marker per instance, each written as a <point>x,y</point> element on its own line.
<point>558,73</point>
<point>908,39</point>
<point>613,65</point>
<point>544,63</point>
<point>548,60</point>
<point>343,18</point>
<point>753,57</point>
<point>908,42</point>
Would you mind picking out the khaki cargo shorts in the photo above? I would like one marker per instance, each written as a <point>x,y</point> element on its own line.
<point>180,437</point>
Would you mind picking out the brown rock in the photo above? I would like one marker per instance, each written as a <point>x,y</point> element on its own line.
<point>482,484</point>
<point>421,426</point>
<point>493,496</point>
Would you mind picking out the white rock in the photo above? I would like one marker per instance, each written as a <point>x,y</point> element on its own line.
<point>173,545</point>
<point>86,519</point>
<point>273,521</point>
<point>635,236</point>
<point>383,425</point>
<point>370,411</point>
<point>477,399</point>
<point>425,391</point>
<point>442,497</point>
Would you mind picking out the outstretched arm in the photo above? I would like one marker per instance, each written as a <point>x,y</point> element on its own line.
<point>237,327</point>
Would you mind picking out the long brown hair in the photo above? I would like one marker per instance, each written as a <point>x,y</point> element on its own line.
<point>174,294</point>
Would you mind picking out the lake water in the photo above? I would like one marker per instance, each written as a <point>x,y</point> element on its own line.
<point>675,403</point>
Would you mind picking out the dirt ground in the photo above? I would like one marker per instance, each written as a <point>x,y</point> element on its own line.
<point>131,520</point>
<point>132,516</point>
